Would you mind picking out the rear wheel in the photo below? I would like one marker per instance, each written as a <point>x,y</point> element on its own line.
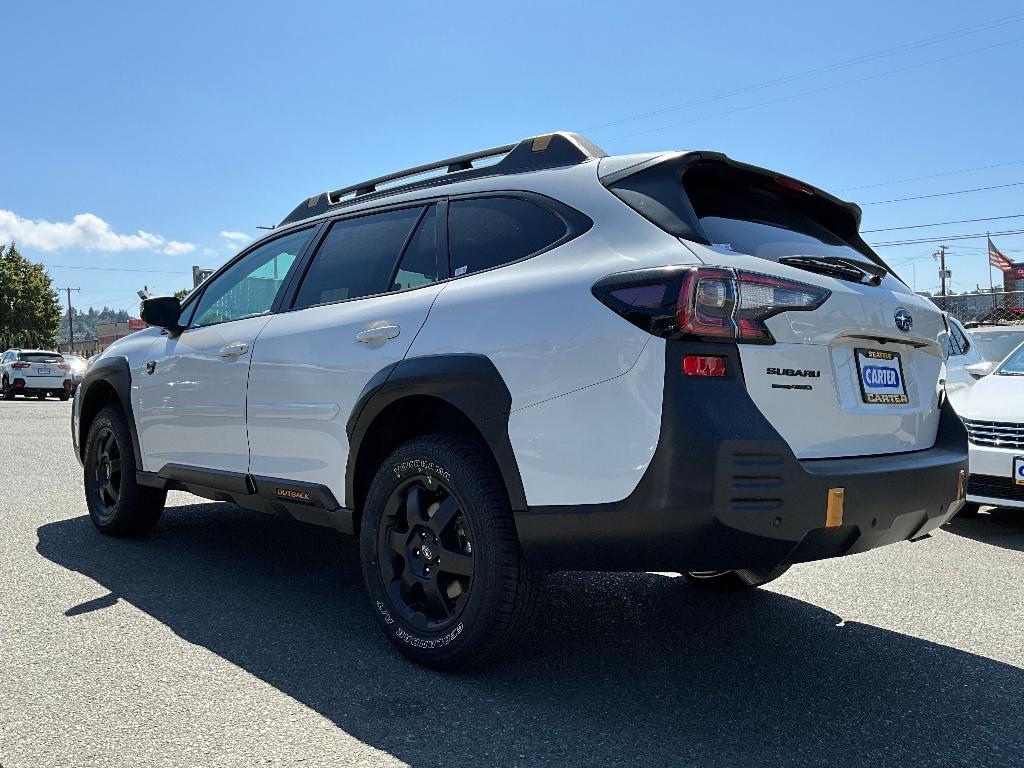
<point>742,578</point>
<point>118,505</point>
<point>64,396</point>
<point>7,389</point>
<point>440,555</point>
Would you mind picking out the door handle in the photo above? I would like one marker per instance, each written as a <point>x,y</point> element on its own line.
<point>383,333</point>
<point>237,349</point>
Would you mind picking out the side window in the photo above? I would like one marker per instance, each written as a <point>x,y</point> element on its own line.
<point>419,265</point>
<point>357,258</point>
<point>491,231</point>
<point>961,338</point>
<point>248,288</point>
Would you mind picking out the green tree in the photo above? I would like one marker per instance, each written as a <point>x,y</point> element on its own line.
<point>29,306</point>
<point>180,295</point>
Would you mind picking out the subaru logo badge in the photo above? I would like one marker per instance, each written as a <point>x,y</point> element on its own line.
<point>903,320</point>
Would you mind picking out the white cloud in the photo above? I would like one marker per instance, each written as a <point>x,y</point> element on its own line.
<point>174,248</point>
<point>86,231</point>
<point>236,238</point>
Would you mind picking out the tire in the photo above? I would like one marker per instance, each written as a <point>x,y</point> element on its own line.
<point>743,578</point>
<point>118,506</point>
<point>8,391</point>
<point>438,503</point>
<point>64,396</point>
<point>968,510</point>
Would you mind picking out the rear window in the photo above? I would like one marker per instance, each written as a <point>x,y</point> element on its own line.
<point>40,357</point>
<point>753,214</point>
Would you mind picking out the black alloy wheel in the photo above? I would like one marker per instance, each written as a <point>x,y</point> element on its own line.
<point>105,474</point>
<point>425,552</point>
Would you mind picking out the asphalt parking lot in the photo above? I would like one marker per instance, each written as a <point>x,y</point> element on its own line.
<point>232,638</point>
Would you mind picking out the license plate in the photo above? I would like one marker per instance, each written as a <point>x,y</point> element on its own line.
<point>1018,470</point>
<point>42,371</point>
<point>881,377</point>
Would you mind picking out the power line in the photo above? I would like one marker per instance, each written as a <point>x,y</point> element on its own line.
<point>943,223</point>
<point>904,47</point>
<point>891,243</point>
<point>945,194</point>
<point>115,269</point>
<point>813,91</point>
<point>930,176</point>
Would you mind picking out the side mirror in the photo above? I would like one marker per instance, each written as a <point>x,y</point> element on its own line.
<point>163,312</point>
<point>982,369</point>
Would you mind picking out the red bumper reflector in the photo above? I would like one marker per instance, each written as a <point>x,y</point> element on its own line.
<point>704,365</point>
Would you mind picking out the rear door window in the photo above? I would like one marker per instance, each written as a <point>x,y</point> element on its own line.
<point>420,264</point>
<point>491,231</point>
<point>357,257</point>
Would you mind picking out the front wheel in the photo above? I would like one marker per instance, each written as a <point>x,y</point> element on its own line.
<point>118,505</point>
<point>742,578</point>
<point>440,555</point>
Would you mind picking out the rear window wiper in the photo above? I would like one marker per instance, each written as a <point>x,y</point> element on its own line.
<point>841,267</point>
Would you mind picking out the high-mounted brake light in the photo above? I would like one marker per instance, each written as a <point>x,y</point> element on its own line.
<point>710,303</point>
<point>797,186</point>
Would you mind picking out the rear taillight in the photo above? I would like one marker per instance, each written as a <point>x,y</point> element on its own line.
<point>710,303</point>
<point>64,366</point>
<point>21,365</point>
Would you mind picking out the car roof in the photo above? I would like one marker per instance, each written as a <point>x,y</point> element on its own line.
<point>1019,327</point>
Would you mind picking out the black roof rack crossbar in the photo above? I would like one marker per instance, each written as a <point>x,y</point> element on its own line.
<point>548,151</point>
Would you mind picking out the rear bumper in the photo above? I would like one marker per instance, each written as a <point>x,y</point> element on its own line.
<point>724,491</point>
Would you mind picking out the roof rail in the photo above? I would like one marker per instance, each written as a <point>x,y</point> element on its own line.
<point>550,150</point>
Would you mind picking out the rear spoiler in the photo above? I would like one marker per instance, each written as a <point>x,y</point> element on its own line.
<point>653,187</point>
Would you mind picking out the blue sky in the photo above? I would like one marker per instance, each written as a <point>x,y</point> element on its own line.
<point>163,126</point>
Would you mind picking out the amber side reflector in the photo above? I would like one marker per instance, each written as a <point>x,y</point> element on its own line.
<point>960,486</point>
<point>834,509</point>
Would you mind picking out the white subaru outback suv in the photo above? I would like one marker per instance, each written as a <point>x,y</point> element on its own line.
<point>541,357</point>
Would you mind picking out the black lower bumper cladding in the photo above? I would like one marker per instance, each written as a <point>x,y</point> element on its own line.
<point>725,491</point>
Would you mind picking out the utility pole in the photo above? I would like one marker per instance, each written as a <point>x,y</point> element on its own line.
<point>71,317</point>
<point>942,268</point>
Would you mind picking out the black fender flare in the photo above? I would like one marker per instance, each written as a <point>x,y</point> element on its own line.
<point>468,382</point>
<point>115,372</point>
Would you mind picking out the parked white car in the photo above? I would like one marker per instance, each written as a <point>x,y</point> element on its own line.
<point>559,360</point>
<point>34,373</point>
<point>994,416</point>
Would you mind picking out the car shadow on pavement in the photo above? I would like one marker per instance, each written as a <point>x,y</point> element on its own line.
<point>1000,527</point>
<point>634,669</point>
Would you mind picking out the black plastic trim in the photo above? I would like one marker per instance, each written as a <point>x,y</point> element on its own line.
<point>308,502</point>
<point>724,490</point>
<point>114,371</point>
<point>467,382</point>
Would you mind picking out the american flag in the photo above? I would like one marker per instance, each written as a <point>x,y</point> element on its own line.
<point>997,259</point>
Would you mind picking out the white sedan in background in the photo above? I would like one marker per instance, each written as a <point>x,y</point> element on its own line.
<point>993,412</point>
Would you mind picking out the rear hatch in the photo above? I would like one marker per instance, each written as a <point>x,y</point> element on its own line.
<point>856,375</point>
<point>42,370</point>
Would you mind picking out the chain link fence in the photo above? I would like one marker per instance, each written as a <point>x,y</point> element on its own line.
<point>997,308</point>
